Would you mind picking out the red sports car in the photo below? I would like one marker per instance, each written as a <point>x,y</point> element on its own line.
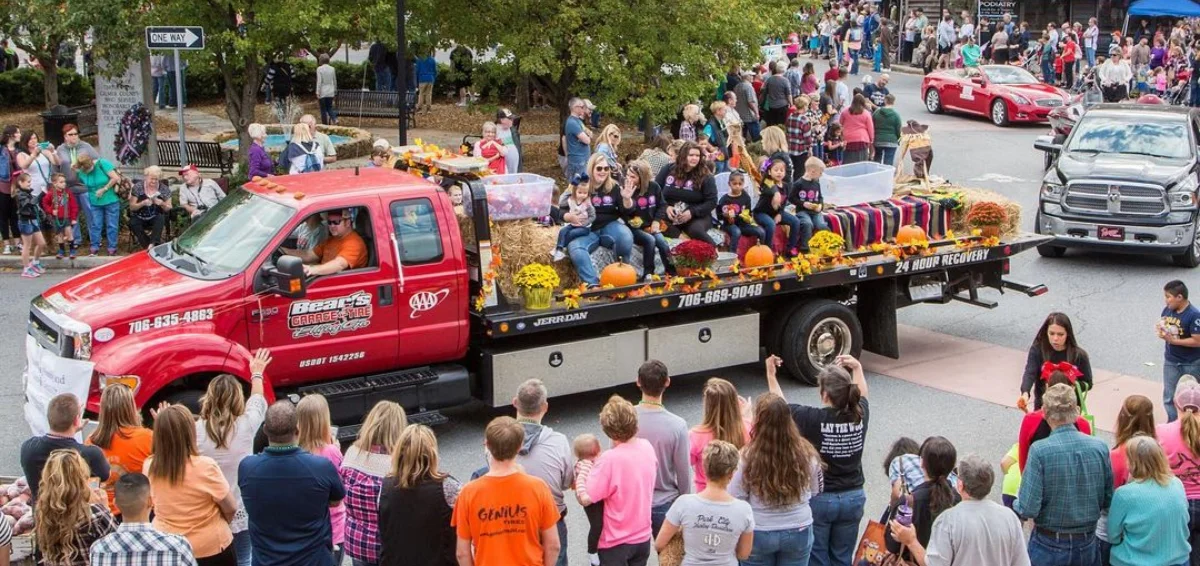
<point>1002,92</point>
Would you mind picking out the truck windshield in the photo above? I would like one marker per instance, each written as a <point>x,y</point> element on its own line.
<point>1132,135</point>
<point>231,234</point>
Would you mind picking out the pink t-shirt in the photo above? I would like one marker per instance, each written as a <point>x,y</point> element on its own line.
<point>337,515</point>
<point>1183,463</point>
<point>697,440</point>
<point>623,478</point>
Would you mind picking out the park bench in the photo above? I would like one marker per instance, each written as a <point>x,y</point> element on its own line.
<point>376,104</point>
<point>205,155</point>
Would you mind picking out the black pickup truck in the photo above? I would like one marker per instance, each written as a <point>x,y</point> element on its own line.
<point>1124,180</point>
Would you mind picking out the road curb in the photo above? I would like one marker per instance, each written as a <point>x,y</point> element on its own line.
<point>8,262</point>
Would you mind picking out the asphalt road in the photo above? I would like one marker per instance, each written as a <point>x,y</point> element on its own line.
<point>1114,301</point>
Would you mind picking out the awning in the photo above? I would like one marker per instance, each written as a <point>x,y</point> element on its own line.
<point>1154,8</point>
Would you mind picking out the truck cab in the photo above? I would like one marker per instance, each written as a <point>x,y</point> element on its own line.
<point>165,321</point>
<point>1124,180</point>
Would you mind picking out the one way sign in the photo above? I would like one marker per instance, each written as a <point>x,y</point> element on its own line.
<point>183,37</point>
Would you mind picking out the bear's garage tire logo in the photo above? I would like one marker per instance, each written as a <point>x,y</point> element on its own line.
<point>314,319</point>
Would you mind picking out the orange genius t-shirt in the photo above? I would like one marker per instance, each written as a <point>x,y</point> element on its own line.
<point>349,247</point>
<point>503,517</point>
<point>126,453</point>
<point>191,508</point>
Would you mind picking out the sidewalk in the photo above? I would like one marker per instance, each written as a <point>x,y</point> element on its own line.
<point>13,262</point>
<point>993,373</point>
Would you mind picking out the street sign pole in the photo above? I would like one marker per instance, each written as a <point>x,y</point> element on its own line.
<point>402,68</point>
<point>183,161</point>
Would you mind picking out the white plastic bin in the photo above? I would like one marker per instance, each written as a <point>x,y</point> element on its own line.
<point>516,196</point>
<point>856,183</point>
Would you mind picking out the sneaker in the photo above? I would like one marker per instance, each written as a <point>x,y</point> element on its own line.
<point>8,250</point>
<point>60,254</point>
<point>558,255</point>
<point>29,273</point>
<point>37,266</point>
<point>94,253</point>
<point>112,251</point>
<point>72,253</point>
<point>593,559</point>
<point>647,278</point>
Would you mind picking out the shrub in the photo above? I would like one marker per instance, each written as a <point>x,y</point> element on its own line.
<point>24,87</point>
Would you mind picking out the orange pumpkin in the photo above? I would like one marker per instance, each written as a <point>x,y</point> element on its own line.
<point>619,274</point>
<point>759,256</point>
<point>911,235</point>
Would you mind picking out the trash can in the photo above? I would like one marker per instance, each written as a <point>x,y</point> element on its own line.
<point>53,121</point>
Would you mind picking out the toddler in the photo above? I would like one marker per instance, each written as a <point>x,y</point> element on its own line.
<point>492,149</point>
<point>29,223</point>
<point>769,211</point>
<point>60,207</point>
<point>734,209</point>
<point>578,217</point>
<point>903,465</point>
<point>1160,81</point>
<point>806,196</point>
<point>587,450</point>
<point>834,145</point>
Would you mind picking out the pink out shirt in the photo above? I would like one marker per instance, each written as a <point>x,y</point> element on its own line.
<point>1183,463</point>
<point>337,515</point>
<point>623,478</point>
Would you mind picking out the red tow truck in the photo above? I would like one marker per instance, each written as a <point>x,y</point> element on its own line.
<point>167,320</point>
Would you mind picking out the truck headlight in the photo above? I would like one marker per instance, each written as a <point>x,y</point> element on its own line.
<point>1183,195</point>
<point>82,343</point>
<point>1052,192</point>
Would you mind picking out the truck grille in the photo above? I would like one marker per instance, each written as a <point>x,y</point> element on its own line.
<point>1115,199</point>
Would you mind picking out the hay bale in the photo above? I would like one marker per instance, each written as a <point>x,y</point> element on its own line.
<point>523,242</point>
<point>974,195</point>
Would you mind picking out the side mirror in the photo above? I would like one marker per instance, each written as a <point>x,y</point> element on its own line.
<point>287,278</point>
<point>1047,144</point>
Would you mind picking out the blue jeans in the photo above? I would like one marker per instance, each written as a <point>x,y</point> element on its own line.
<point>853,61</point>
<point>836,516</point>
<point>562,541</point>
<point>160,91</point>
<point>781,548</point>
<point>810,223</point>
<point>1048,72</point>
<point>658,514</point>
<point>1045,550</point>
<point>1194,93</point>
<point>104,219</point>
<point>1171,374</point>
<point>328,112</point>
<point>575,166</point>
<point>85,212</point>
<point>569,233</point>
<point>735,233</point>
<point>649,243</point>
<point>614,236</point>
<point>753,131</point>
<point>243,547</point>
<point>885,155</point>
<point>1090,53</point>
<point>383,79</point>
<point>794,229</point>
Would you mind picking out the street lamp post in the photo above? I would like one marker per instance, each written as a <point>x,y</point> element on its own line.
<point>402,68</point>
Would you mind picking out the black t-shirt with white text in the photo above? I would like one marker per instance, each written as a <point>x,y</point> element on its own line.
<point>838,439</point>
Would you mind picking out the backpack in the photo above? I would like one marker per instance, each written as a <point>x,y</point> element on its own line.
<point>6,165</point>
<point>311,163</point>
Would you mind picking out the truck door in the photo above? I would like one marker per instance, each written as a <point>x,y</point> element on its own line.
<point>346,325</point>
<point>432,295</point>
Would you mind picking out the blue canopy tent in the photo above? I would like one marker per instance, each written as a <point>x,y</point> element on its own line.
<point>1157,8</point>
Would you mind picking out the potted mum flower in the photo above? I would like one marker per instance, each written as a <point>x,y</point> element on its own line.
<point>692,256</point>
<point>988,217</point>
<point>537,282</point>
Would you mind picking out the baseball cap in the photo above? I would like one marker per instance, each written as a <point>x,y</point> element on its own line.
<point>382,143</point>
<point>506,113</point>
<point>588,104</point>
<point>187,168</point>
<point>1187,393</point>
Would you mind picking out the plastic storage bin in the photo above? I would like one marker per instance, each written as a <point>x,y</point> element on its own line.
<point>856,183</point>
<point>516,196</point>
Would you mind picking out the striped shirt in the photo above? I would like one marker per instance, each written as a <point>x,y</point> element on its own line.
<point>139,544</point>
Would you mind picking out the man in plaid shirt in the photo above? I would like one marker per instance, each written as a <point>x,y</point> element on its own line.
<point>1067,483</point>
<point>799,132</point>
<point>135,542</point>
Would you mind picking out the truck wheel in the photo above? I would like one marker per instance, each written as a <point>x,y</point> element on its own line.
<point>816,334</point>
<point>1191,257</point>
<point>1047,250</point>
<point>189,398</point>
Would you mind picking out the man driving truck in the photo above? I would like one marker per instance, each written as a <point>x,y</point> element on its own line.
<point>343,250</point>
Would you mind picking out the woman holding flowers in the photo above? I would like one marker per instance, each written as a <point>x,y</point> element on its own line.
<point>690,194</point>
<point>647,217</point>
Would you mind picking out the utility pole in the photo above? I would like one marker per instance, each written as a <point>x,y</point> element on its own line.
<point>402,71</point>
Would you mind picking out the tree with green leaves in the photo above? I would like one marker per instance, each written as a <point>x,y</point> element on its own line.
<point>631,57</point>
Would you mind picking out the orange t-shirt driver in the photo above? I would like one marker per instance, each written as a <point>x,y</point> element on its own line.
<point>349,247</point>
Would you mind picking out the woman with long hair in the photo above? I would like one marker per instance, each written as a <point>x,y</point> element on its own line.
<point>775,146</point>
<point>225,433</point>
<point>1034,426</point>
<point>611,204</point>
<point>303,154</point>
<point>191,497</point>
<point>367,462</point>
<point>316,437</point>
<point>690,194</point>
<point>10,138</point>
<point>70,514</point>
<point>716,527</point>
<point>416,504</point>
<point>607,145</point>
<point>1148,518</point>
<point>1054,344</point>
<point>858,129</point>
<point>726,417</point>
<point>120,435</point>
<point>37,159</point>
<point>780,472</point>
<point>1180,440</point>
<point>930,499</point>
<point>808,80</point>
<point>1136,418</point>
<point>647,217</point>
<point>838,429</point>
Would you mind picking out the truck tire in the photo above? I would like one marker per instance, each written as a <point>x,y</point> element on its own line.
<point>815,334</point>
<point>1191,257</point>
<point>1047,250</point>
<point>189,398</point>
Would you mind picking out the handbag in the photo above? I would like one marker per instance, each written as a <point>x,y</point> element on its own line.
<point>1081,392</point>
<point>871,550</point>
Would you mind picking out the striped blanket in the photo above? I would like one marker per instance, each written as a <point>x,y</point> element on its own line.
<point>865,224</point>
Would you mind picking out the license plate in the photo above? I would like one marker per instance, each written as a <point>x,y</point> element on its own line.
<point>1116,233</point>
